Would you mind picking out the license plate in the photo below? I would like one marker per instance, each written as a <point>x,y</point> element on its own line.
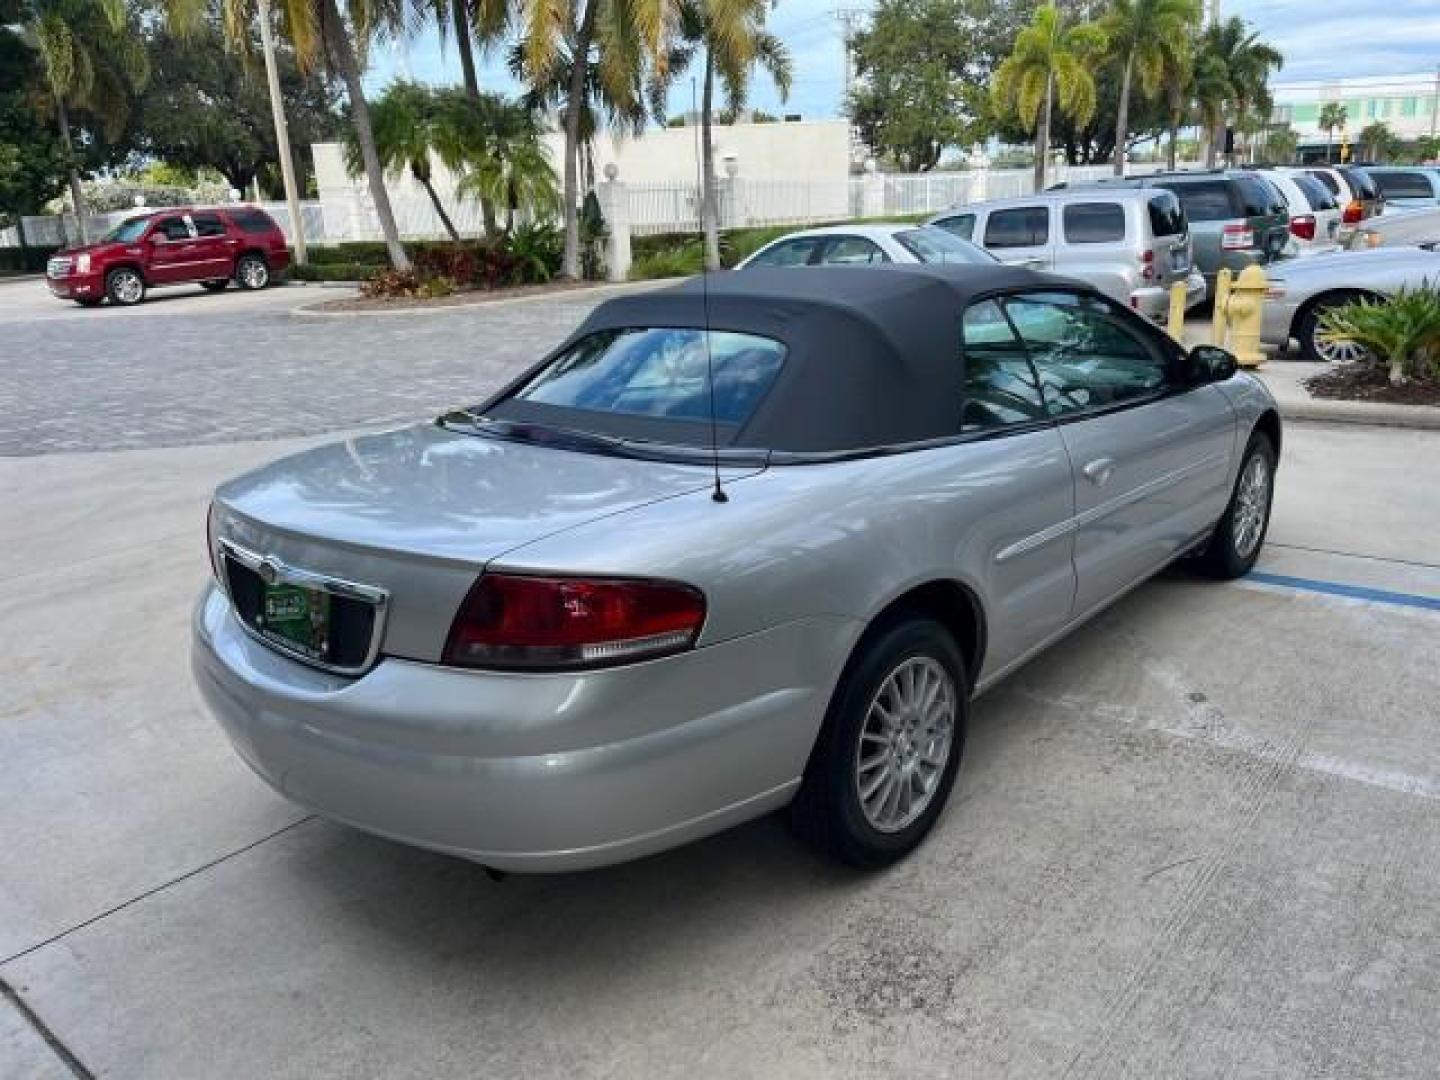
<point>296,618</point>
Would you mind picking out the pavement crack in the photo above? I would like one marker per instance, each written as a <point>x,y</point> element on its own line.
<point>156,889</point>
<point>52,1040</point>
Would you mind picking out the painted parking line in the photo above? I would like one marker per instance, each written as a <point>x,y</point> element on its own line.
<point>1353,592</point>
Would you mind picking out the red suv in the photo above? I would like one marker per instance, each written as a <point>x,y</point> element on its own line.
<point>173,246</point>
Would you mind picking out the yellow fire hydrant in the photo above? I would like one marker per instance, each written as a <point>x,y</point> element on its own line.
<point>1243,311</point>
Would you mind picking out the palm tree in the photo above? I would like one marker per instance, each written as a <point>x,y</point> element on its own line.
<point>92,58</point>
<point>1048,71</point>
<point>1140,34</point>
<point>499,150</point>
<point>1247,63</point>
<point>320,33</point>
<point>573,53</point>
<point>1378,141</point>
<point>1332,116</point>
<point>409,123</point>
<point>474,22</point>
<point>1180,93</point>
<point>735,42</point>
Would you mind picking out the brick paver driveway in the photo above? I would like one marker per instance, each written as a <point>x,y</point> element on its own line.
<point>187,368</point>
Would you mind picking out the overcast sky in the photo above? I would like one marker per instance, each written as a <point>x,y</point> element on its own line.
<point>1319,41</point>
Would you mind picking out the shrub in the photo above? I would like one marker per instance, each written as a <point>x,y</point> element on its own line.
<point>321,271</point>
<point>536,247</point>
<point>1402,332</point>
<point>680,261</point>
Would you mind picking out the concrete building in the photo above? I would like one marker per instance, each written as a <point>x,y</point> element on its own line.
<point>1409,104</point>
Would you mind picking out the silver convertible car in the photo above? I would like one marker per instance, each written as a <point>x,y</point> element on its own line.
<point>726,550</point>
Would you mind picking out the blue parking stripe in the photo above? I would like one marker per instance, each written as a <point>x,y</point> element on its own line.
<point>1354,592</point>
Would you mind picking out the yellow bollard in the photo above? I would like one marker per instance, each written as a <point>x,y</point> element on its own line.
<point>1177,312</point>
<point>1222,298</point>
<point>1244,311</point>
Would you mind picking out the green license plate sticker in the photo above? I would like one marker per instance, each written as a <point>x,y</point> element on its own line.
<point>297,618</point>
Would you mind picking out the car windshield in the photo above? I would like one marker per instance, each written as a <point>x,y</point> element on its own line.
<point>650,374</point>
<point>933,245</point>
<point>127,232</point>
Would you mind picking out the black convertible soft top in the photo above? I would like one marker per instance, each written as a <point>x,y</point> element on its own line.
<point>873,353</point>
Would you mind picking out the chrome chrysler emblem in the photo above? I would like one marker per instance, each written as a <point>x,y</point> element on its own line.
<point>269,570</point>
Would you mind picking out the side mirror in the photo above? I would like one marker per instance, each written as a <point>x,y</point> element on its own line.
<point>1210,363</point>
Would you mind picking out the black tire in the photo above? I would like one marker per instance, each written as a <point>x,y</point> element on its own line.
<point>828,812</point>
<point>125,286</point>
<point>252,272</point>
<point>218,285</point>
<point>91,301</point>
<point>1225,556</point>
<point>1309,326</point>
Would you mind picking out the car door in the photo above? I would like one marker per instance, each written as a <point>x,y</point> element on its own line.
<point>214,247</point>
<point>1020,236</point>
<point>1021,543</point>
<point>846,250</point>
<point>172,252</point>
<point>1150,452</point>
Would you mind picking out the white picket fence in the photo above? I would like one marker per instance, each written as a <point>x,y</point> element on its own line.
<point>652,207</point>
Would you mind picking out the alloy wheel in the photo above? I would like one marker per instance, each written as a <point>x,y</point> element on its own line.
<point>254,274</point>
<point>126,286</point>
<point>1252,504</point>
<point>1336,352</point>
<point>905,743</point>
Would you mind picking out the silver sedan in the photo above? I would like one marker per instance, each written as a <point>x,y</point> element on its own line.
<point>734,546</point>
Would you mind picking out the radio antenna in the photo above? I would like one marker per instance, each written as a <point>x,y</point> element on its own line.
<point>717,493</point>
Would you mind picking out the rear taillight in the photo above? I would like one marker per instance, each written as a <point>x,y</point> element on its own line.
<point>1303,226</point>
<point>1354,212</point>
<point>523,622</point>
<point>1237,237</point>
<point>210,544</point>
<point>1147,264</point>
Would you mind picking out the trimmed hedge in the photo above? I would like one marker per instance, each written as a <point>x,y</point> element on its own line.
<point>335,271</point>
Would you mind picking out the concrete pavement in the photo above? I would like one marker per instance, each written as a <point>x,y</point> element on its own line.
<point>1198,839</point>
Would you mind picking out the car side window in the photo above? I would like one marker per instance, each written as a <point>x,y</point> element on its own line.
<point>1328,180</point>
<point>173,228</point>
<point>1085,356</point>
<point>852,251</point>
<point>1203,200</point>
<point>795,252</point>
<point>1000,386</point>
<point>962,225</point>
<point>208,225</point>
<point>1094,223</point>
<point>1258,198</point>
<point>1404,185</point>
<point>1025,226</point>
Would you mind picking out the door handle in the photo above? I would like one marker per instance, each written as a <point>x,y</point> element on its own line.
<point>1098,471</point>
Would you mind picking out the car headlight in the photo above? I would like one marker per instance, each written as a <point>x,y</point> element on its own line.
<point>82,264</point>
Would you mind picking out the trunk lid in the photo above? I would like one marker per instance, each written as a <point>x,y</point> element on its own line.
<point>420,511</point>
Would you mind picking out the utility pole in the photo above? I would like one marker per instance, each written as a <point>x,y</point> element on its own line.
<point>850,20</point>
<point>1435,105</point>
<point>282,134</point>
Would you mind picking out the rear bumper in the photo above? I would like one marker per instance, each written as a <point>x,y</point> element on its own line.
<point>1153,301</point>
<point>77,287</point>
<point>530,772</point>
<point>278,259</point>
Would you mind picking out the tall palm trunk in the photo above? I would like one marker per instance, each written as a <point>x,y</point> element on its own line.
<point>1122,115</point>
<point>460,16</point>
<point>709,216</point>
<point>1042,132</point>
<point>1172,154</point>
<point>77,196</point>
<point>337,40</point>
<point>574,102</point>
<point>424,179</point>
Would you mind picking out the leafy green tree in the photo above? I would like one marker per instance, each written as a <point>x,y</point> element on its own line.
<point>1332,116</point>
<point>177,119</point>
<point>578,53</point>
<point>92,59</point>
<point>498,149</point>
<point>924,67</point>
<point>1378,141</point>
<point>33,161</point>
<point>1048,71</point>
<point>1140,35</point>
<point>475,24</point>
<point>1281,144</point>
<point>734,41</point>
<point>1239,66</point>
<point>1425,149</point>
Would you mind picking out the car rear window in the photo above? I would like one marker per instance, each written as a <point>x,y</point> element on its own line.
<point>1026,226</point>
<point>253,221</point>
<point>1404,185</point>
<point>932,245</point>
<point>1094,223</point>
<point>661,373</point>
<point>1259,198</point>
<point>1316,193</point>
<point>1361,182</point>
<point>1328,180</point>
<point>1203,200</point>
<point>1166,217</point>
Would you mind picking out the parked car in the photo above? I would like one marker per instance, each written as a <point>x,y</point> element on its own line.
<point>1315,217</point>
<point>674,577</point>
<point>174,246</point>
<point>866,245</point>
<point>1237,218</point>
<point>1413,228</point>
<point>1412,188</point>
<point>1132,246</point>
<point>1354,189</point>
<point>1300,292</point>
